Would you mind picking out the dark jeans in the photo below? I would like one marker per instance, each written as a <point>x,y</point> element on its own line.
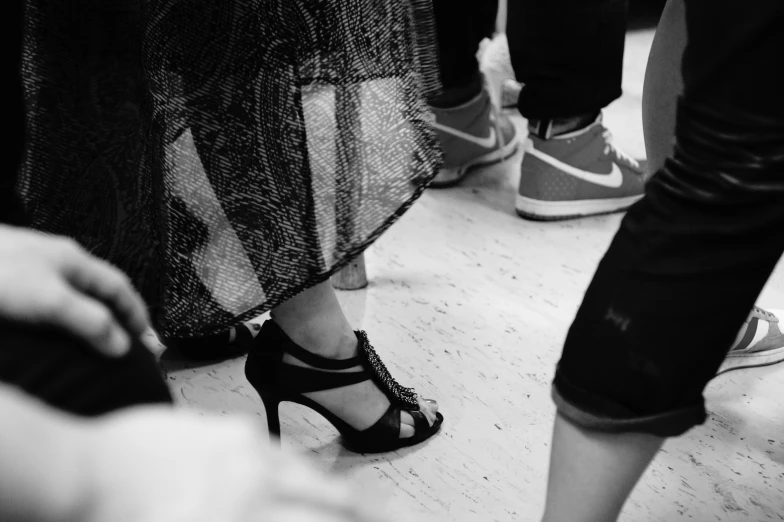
<point>690,258</point>
<point>568,53</point>
<point>460,26</point>
<point>49,365</point>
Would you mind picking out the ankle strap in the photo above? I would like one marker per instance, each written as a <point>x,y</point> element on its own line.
<point>287,345</point>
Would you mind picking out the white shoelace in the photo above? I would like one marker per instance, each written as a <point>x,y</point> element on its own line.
<point>611,147</point>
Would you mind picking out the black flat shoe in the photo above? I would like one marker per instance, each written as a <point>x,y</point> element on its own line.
<point>215,347</point>
<point>277,382</point>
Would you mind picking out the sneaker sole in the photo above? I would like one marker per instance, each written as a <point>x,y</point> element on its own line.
<point>537,210</point>
<point>754,360</point>
<point>452,176</point>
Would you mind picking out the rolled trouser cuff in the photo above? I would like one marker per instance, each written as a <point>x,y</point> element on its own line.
<point>593,412</point>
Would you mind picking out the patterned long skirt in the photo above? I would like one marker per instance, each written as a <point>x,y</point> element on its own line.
<point>227,154</point>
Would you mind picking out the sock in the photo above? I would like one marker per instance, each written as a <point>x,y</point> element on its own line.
<point>547,128</point>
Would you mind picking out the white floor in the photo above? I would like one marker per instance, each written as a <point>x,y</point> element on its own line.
<point>470,304</point>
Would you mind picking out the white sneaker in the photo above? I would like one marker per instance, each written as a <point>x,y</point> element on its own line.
<point>759,342</point>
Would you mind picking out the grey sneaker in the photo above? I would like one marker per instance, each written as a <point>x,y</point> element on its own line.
<point>472,135</point>
<point>577,174</point>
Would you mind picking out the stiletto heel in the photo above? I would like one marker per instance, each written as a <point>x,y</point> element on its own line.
<point>277,382</point>
<point>271,404</point>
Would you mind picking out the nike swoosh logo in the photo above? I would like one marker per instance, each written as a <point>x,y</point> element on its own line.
<point>488,142</point>
<point>612,180</point>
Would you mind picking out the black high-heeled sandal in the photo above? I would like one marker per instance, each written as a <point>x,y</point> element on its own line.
<point>277,382</point>
<point>216,347</point>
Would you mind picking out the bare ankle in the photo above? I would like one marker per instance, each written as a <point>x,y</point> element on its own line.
<point>320,336</point>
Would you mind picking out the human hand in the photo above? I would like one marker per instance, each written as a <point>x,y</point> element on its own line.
<point>159,465</point>
<point>50,281</point>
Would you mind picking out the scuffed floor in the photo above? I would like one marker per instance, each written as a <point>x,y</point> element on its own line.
<point>470,304</point>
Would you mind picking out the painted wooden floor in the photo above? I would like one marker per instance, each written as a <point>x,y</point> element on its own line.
<point>470,304</point>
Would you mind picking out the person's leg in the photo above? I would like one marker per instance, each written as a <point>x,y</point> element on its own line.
<point>569,56</point>
<point>460,26</point>
<point>663,84</point>
<point>469,129</point>
<point>616,463</point>
<point>462,109</point>
<point>71,376</point>
<point>699,247</point>
<point>760,341</point>
<point>315,321</point>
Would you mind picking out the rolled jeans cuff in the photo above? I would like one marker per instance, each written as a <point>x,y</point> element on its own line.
<point>595,413</point>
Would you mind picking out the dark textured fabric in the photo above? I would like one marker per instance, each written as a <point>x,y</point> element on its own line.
<point>70,376</point>
<point>13,138</point>
<point>227,155</point>
<point>597,414</point>
<point>691,257</point>
<point>567,53</point>
<point>460,26</point>
<point>51,365</point>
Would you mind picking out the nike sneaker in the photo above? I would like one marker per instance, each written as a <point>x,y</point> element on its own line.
<point>759,342</point>
<point>577,174</point>
<point>472,135</point>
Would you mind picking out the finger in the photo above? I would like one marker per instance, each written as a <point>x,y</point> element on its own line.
<point>109,285</point>
<point>89,320</point>
<point>114,288</point>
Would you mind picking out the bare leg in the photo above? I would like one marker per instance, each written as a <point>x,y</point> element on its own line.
<point>663,84</point>
<point>315,321</point>
<point>592,473</point>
